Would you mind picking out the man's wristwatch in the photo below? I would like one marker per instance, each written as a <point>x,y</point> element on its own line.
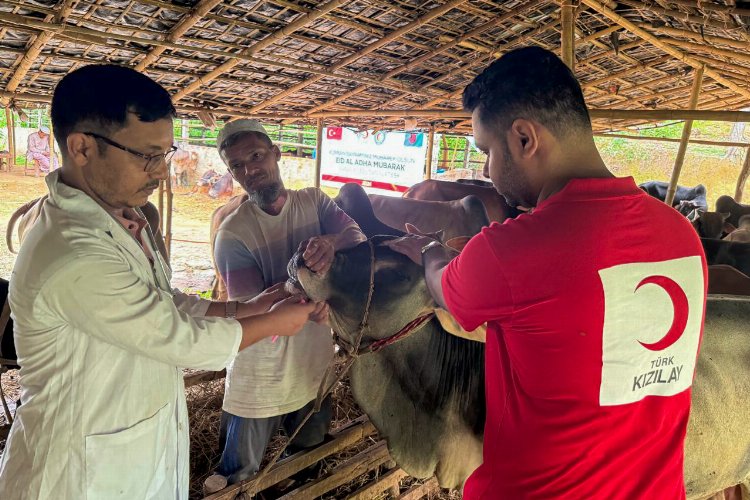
<point>430,246</point>
<point>230,310</point>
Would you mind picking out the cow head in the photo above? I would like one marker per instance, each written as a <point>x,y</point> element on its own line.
<point>710,224</point>
<point>399,291</point>
<point>424,393</point>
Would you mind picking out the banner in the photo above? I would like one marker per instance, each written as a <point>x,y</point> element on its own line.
<point>379,161</point>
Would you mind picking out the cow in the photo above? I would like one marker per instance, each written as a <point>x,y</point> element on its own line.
<point>435,190</point>
<point>428,401</point>
<point>29,212</point>
<point>730,253</point>
<point>222,187</point>
<point>742,233</point>
<point>184,167</point>
<point>736,210</point>
<point>686,199</point>
<point>219,288</point>
<point>710,224</point>
<point>353,200</point>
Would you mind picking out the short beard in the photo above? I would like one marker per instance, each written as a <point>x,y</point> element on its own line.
<point>267,195</point>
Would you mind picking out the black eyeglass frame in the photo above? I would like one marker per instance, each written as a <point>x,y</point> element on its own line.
<point>150,163</point>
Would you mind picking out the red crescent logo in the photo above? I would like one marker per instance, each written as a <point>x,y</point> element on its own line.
<point>680,306</point>
<point>330,133</point>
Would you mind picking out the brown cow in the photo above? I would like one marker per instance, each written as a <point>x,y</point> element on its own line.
<point>434,190</point>
<point>466,216</point>
<point>710,224</point>
<point>184,167</point>
<point>29,212</point>
<point>219,288</point>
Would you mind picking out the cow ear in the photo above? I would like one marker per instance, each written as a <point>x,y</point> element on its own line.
<point>458,243</point>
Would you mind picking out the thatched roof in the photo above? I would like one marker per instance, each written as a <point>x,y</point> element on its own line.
<point>297,59</point>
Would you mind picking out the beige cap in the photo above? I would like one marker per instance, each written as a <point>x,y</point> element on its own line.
<point>238,126</point>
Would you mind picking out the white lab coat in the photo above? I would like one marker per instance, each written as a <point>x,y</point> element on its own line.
<point>100,336</point>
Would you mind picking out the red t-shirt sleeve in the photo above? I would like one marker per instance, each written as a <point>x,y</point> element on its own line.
<point>475,287</point>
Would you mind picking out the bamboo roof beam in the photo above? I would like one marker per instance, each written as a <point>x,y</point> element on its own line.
<point>710,7</point>
<point>63,10</point>
<point>678,54</point>
<point>673,32</point>
<point>257,47</point>
<point>716,51</point>
<point>187,22</point>
<point>640,67</point>
<point>429,55</point>
<point>394,35</point>
<point>676,14</point>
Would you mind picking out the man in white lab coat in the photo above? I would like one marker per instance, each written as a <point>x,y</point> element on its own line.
<point>99,332</point>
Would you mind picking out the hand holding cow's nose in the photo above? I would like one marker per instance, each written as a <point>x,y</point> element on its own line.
<point>270,296</point>
<point>318,254</point>
<point>291,314</point>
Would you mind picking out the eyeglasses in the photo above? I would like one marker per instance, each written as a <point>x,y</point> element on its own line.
<point>152,161</point>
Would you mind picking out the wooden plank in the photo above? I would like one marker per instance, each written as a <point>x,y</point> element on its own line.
<point>203,376</point>
<point>421,490</point>
<point>373,489</point>
<point>342,439</point>
<point>359,464</point>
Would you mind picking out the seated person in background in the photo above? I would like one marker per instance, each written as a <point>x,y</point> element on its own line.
<point>37,151</point>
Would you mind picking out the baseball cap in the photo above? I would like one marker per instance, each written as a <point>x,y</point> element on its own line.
<point>237,126</point>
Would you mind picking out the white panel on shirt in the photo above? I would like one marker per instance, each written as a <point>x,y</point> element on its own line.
<point>648,349</point>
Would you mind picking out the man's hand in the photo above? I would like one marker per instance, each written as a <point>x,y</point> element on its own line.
<point>410,245</point>
<point>291,314</point>
<point>268,297</point>
<point>318,253</point>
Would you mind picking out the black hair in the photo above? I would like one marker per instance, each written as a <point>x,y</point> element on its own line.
<point>98,98</point>
<point>235,138</point>
<point>531,83</point>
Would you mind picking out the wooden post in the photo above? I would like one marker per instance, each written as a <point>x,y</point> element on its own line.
<point>444,155</point>
<point>11,123</point>
<point>318,153</point>
<point>430,145</point>
<point>168,226</point>
<point>567,19</point>
<point>742,178</point>
<point>52,155</point>
<point>686,129</point>
<point>466,152</point>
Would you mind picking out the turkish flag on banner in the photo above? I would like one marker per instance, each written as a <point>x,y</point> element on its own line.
<point>334,133</point>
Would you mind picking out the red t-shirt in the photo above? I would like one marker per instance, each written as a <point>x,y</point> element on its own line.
<point>595,306</point>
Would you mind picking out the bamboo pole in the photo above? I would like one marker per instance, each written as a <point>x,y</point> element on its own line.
<point>742,179</point>
<point>676,14</point>
<point>394,35</point>
<point>710,7</point>
<point>161,205</point>
<point>672,32</point>
<point>725,144</point>
<point>257,47</point>
<point>187,22</point>
<point>630,26</point>
<point>686,129</point>
<point>567,43</point>
<point>51,139</point>
<point>318,153</point>
<point>430,146</point>
<point>9,122</point>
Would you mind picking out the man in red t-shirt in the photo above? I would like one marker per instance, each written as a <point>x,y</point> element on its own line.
<point>594,302</point>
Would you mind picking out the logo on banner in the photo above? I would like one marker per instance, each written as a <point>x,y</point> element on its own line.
<point>379,137</point>
<point>334,133</point>
<point>652,323</point>
<point>414,139</point>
